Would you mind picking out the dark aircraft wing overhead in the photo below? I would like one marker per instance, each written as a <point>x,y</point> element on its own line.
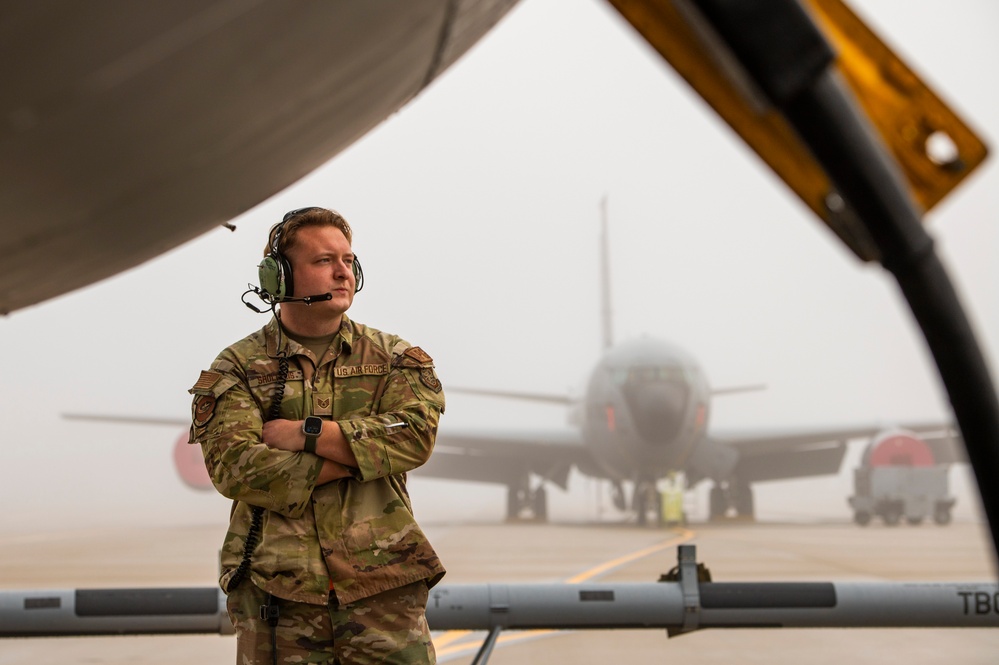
<point>132,127</point>
<point>495,456</point>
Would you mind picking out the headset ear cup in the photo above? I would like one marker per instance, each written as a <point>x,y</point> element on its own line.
<point>272,281</point>
<point>287,277</point>
<point>358,275</point>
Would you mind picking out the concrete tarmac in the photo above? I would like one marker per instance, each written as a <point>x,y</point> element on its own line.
<point>497,552</point>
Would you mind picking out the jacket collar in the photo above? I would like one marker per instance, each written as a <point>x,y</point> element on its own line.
<point>274,336</point>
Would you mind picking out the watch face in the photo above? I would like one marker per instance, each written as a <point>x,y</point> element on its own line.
<point>312,425</point>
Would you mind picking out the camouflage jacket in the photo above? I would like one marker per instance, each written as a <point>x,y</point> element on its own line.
<point>356,535</point>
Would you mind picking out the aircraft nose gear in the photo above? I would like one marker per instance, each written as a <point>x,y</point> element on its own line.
<point>647,503</point>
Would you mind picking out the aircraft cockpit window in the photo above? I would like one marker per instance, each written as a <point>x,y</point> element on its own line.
<point>650,374</point>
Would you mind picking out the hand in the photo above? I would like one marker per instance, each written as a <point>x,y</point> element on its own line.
<point>284,435</point>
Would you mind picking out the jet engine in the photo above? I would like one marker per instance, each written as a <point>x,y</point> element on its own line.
<point>899,476</point>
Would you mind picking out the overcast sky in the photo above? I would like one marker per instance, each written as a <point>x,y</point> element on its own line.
<point>476,217</point>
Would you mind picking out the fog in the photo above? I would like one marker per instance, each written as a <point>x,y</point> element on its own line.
<point>476,217</point>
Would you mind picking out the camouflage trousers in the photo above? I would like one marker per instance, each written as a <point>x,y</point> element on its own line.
<point>390,627</point>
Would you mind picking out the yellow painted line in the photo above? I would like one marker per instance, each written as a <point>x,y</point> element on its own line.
<point>681,538</point>
<point>450,636</point>
<point>477,643</point>
<point>445,645</point>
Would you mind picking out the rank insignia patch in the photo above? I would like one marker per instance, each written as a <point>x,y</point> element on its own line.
<point>203,409</point>
<point>430,379</point>
<point>322,404</point>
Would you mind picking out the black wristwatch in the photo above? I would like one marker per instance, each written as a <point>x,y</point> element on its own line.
<point>312,427</point>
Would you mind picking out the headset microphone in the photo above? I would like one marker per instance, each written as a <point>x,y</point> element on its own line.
<point>308,300</point>
<point>272,301</point>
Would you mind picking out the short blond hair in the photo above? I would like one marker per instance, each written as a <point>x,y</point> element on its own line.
<point>283,234</point>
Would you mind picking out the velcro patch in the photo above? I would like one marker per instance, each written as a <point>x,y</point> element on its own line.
<point>223,366</point>
<point>256,380</point>
<point>360,370</point>
<point>322,404</point>
<point>418,354</point>
<point>203,409</point>
<point>429,379</point>
<point>206,381</point>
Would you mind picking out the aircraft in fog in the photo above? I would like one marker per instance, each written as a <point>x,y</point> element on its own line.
<point>142,165</point>
<point>646,405</point>
<point>644,417</point>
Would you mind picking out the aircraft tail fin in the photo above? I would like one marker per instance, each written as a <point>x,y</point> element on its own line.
<point>605,290</point>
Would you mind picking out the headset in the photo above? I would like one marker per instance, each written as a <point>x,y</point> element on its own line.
<point>277,283</point>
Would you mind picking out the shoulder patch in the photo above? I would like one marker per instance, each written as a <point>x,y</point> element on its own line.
<point>206,381</point>
<point>203,409</point>
<point>430,380</point>
<point>212,383</point>
<point>418,354</point>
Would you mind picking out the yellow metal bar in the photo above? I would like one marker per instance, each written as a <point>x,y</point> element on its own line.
<point>934,148</point>
<point>912,120</point>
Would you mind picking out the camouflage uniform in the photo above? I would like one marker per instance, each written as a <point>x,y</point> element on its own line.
<point>355,536</point>
<point>389,627</point>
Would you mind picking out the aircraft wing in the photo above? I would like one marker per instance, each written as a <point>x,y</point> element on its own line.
<point>776,454</point>
<point>133,127</point>
<point>752,455</point>
<point>497,456</point>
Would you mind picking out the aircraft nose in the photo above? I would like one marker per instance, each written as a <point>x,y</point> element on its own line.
<point>658,410</point>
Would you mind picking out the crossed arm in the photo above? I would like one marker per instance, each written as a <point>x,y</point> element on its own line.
<point>331,446</point>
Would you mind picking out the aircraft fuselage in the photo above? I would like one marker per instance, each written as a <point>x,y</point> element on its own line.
<point>646,407</point>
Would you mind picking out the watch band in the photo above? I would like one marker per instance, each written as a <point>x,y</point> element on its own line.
<point>312,427</point>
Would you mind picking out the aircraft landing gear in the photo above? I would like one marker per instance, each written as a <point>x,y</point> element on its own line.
<point>717,503</point>
<point>647,503</point>
<point>617,495</point>
<point>742,500</point>
<point>731,500</point>
<point>525,504</point>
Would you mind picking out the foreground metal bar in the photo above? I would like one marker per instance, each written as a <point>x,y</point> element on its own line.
<point>66,612</point>
<point>534,606</point>
<point>723,605</point>
<point>482,657</point>
<point>677,606</point>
